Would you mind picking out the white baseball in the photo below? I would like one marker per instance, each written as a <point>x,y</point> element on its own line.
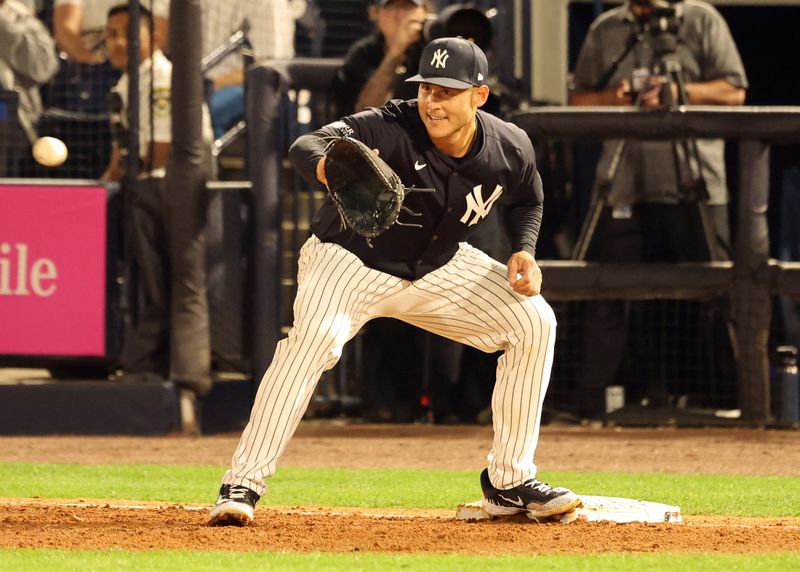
<point>49,151</point>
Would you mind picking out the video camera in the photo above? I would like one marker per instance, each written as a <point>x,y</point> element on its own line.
<point>463,20</point>
<point>662,23</point>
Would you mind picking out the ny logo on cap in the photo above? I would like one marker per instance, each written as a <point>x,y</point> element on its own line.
<point>440,58</point>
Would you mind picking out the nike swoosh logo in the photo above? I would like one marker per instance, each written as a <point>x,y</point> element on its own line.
<point>515,502</point>
<point>417,166</point>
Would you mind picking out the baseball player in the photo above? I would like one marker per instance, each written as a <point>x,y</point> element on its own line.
<point>425,275</point>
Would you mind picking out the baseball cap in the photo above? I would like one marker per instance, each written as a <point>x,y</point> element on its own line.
<point>452,62</point>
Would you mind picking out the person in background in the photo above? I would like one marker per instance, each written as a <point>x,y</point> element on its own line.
<point>649,218</point>
<point>145,352</point>
<point>155,77</point>
<point>271,34</point>
<point>79,27</point>
<point>375,67</point>
<point>27,60</point>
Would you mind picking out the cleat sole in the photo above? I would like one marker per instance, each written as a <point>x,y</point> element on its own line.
<point>564,508</point>
<point>231,514</point>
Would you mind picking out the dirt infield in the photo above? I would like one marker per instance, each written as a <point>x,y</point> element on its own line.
<point>81,526</point>
<point>96,524</point>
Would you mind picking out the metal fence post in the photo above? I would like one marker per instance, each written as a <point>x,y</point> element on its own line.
<point>266,86</point>
<point>751,296</point>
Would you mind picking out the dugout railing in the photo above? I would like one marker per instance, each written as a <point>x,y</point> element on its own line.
<point>288,98</point>
<point>750,280</point>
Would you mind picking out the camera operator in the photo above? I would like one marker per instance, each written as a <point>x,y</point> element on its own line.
<point>709,58</point>
<point>651,214</point>
<point>375,68</point>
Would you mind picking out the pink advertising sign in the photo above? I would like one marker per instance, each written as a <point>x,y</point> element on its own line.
<point>52,270</point>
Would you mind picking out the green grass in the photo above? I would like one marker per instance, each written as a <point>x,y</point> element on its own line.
<point>58,560</point>
<point>695,494</point>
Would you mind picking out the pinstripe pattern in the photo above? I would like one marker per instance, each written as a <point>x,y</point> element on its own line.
<point>487,314</point>
<point>467,300</point>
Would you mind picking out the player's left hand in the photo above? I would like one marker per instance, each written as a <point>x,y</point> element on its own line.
<point>524,275</point>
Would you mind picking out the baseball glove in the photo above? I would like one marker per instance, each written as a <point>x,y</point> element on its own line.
<point>367,192</point>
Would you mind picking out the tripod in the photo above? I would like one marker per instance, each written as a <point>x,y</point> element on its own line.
<point>686,158</point>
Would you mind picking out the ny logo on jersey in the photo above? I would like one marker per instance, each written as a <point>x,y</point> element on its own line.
<point>440,58</point>
<point>476,205</point>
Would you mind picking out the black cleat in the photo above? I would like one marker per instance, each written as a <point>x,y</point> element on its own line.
<point>534,497</point>
<point>235,506</point>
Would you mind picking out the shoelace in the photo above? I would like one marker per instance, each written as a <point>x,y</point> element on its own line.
<point>539,486</point>
<point>238,493</point>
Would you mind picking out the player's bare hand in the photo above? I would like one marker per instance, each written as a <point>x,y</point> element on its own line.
<point>405,34</point>
<point>524,275</point>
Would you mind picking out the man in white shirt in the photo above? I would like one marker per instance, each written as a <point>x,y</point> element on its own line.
<point>155,108</point>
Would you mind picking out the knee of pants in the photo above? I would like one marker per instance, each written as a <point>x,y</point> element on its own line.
<point>536,323</point>
<point>329,336</point>
<point>320,351</point>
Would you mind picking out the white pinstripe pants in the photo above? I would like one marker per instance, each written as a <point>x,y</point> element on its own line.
<point>467,300</point>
